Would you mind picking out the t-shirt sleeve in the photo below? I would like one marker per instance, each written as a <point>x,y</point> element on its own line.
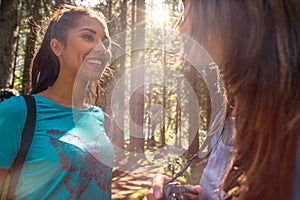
<point>13,114</point>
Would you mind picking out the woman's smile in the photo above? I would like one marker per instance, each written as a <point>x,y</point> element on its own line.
<point>86,54</point>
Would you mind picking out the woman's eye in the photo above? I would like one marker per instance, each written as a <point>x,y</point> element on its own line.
<point>88,37</point>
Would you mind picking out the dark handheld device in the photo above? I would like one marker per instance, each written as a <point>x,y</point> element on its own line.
<point>174,191</point>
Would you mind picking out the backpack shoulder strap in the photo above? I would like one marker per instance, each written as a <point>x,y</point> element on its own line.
<point>27,136</point>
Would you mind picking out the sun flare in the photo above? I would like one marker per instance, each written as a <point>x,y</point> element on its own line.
<point>159,17</point>
<point>88,3</point>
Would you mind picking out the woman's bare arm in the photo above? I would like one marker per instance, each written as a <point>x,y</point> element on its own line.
<point>3,174</point>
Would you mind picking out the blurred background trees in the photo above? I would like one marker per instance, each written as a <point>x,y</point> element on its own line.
<point>157,116</point>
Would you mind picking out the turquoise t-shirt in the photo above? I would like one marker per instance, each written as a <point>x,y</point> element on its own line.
<point>70,156</point>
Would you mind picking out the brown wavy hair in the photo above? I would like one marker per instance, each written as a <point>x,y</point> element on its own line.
<point>259,41</point>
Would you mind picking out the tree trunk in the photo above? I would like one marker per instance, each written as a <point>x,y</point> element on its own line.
<point>118,132</point>
<point>9,26</point>
<point>30,43</point>
<point>137,139</point>
<point>193,110</point>
<point>110,3</point>
<point>178,116</point>
<point>59,2</point>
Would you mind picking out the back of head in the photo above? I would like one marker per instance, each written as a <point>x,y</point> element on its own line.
<point>260,64</point>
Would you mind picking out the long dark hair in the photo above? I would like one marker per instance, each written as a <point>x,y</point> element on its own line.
<point>45,65</point>
<point>260,64</point>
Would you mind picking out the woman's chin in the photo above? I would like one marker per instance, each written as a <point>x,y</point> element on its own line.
<point>91,72</point>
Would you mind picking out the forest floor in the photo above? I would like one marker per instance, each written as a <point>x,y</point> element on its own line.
<point>134,183</point>
<point>133,179</point>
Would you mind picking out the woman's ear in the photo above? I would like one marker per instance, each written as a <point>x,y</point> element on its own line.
<point>56,47</point>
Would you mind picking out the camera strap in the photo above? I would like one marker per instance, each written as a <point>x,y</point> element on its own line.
<point>199,154</point>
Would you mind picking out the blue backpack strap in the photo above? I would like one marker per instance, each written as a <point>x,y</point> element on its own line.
<point>27,136</point>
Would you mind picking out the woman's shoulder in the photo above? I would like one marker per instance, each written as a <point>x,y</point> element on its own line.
<point>96,109</point>
<point>13,112</point>
<point>104,117</point>
<point>13,106</point>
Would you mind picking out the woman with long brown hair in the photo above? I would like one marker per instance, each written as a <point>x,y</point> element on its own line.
<point>70,156</point>
<point>256,47</point>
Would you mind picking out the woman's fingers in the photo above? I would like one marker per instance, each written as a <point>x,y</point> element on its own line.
<point>156,192</point>
<point>194,196</point>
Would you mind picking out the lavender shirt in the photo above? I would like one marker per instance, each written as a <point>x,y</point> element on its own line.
<point>218,160</point>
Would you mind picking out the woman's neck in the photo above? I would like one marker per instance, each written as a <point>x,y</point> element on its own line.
<point>69,95</point>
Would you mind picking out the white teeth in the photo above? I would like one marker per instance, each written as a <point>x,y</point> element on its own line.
<point>95,61</point>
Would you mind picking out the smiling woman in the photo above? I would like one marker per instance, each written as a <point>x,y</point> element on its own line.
<point>64,162</point>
